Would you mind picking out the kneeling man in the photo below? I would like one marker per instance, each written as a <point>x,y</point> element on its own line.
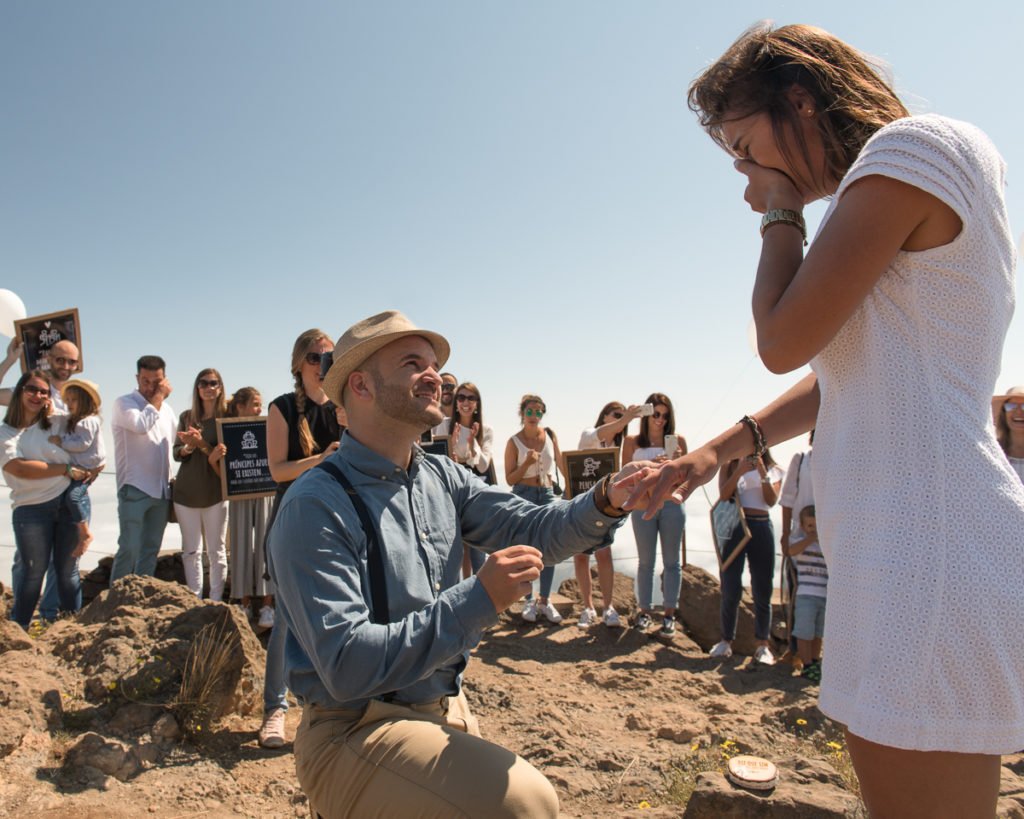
<point>366,553</point>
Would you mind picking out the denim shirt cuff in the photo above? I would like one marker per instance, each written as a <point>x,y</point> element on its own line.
<point>473,606</point>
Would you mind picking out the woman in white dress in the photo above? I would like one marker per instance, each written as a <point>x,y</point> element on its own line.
<point>901,307</point>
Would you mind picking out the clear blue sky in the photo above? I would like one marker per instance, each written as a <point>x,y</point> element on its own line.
<point>206,180</point>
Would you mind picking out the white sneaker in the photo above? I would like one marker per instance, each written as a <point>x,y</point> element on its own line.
<point>271,733</point>
<point>587,618</point>
<point>266,618</point>
<point>530,611</point>
<point>550,613</point>
<point>611,618</point>
<point>764,656</point>
<point>721,650</point>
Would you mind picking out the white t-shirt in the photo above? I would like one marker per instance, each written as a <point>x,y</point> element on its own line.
<point>749,488</point>
<point>32,444</point>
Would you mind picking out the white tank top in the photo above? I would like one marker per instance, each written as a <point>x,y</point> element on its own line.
<point>648,453</point>
<point>542,469</point>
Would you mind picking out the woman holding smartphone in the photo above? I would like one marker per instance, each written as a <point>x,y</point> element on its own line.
<point>901,307</point>
<point>470,443</point>
<point>652,443</point>
<point>531,458</point>
<point>302,430</point>
<point>607,432</point>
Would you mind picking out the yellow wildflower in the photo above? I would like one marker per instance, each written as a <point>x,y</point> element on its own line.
<point>801,722</point>
<point>644,805</point>
<point>835,746</point>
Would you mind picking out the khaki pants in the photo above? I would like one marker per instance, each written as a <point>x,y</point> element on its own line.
<point>413,761</point>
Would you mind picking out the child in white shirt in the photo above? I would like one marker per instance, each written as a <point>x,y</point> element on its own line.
<point>83,440</point>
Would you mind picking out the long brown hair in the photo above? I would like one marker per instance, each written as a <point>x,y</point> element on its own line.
<point>757,72</point>
<point>609,407</point>
<point>478,413</point>
<point>643,439</point>
<point>220,405</point>
<point>15,415</point>
<point>86,406</point>
<point>243,395</point>
<point>302,345</point>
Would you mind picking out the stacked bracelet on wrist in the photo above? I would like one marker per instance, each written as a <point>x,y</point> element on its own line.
<point>760,444</point>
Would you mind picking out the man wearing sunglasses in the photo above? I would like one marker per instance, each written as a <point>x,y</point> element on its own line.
<point>366,553</point>
<point>145,429</point>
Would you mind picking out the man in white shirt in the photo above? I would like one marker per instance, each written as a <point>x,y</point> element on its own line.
<point>63,360</point>
<point>144,427</point>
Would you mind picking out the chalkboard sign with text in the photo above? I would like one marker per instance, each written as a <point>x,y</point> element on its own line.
<point>38,335</point>
<point>585,467</point>
<point>244,470</point>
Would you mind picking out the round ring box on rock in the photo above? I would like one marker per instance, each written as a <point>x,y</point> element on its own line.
<point>753,773</point>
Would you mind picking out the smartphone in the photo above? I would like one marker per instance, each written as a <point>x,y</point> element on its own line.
<point>671,446</point>
<point>646,409</point>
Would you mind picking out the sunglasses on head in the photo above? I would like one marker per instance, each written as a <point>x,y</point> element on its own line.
<point>532,413</point>
<point>210,383</point>
<point>660,415</point>
<point>464,397</point>
<point>1010,406</point>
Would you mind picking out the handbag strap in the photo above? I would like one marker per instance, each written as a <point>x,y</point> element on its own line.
<point>374,552</point>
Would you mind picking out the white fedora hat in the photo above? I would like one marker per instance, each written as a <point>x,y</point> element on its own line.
<point>364,338</point>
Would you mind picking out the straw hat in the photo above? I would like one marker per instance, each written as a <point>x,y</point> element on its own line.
<point>997,402</point>
<point>364,338</point>
<point>87,386</point>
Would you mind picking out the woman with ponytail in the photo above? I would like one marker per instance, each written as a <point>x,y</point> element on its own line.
<point>302,430</point>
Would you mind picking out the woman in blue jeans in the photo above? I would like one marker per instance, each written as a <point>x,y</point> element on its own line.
<point>531,458</point>
<point>38,473</point>
<point>755,483</point>
<point>656,437</point>
<point>302,430</point>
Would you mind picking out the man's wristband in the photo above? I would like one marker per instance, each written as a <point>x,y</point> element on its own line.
<point>603,502</point>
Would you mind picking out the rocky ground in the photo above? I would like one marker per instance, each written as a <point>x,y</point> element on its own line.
<point>98,724</point>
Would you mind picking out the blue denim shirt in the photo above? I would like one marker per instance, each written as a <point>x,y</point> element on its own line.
<point>335,656</point>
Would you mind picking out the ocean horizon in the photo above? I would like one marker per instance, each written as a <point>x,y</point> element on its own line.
<point>103,495</point>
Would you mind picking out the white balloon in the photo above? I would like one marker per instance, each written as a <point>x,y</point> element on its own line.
<point>752,337</point>
<point>11,309</point>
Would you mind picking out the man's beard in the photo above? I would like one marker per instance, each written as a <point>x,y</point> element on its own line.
<point>396,403</point>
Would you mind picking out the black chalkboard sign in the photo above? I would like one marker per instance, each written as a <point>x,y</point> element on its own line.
<point>438,446</point>
<point>38,334</point>
<point>244,472</point>
<point>585,467</point>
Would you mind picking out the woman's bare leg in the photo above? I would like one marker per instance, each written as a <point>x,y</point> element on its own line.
<point>899,784</point>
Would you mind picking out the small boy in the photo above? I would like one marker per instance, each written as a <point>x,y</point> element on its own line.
<point>811,586</point>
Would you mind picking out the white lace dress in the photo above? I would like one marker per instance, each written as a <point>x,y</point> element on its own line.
<point>919,514</point>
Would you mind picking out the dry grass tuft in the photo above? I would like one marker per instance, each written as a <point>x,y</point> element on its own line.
<point>205,668</point>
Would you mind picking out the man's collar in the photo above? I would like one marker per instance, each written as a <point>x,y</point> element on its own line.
<point>372,463</point>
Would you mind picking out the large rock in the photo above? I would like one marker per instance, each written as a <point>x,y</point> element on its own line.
<point>700,604</point>
<point>30,696</point>
<point>623,592</point>
<point>169,567</point>
<point>132,646</point>
<point>795,797</point>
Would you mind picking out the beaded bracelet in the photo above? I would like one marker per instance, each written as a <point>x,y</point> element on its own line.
<point>760,445</point>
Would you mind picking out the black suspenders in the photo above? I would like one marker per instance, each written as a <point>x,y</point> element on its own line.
<point>374,553</point>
